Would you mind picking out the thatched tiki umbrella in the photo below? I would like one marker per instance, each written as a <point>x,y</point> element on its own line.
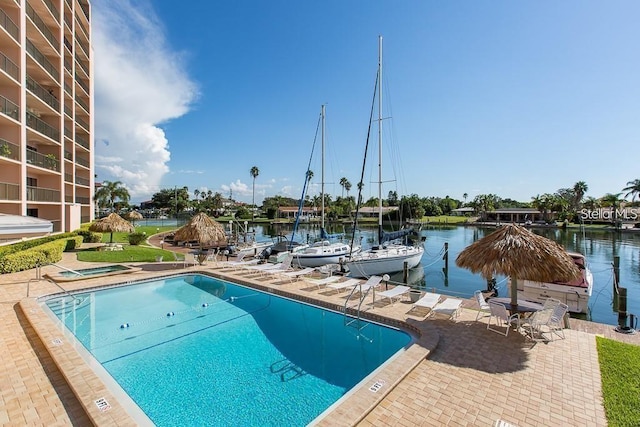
<point>133,216</point>
<point>109,224</point>
<point>203,229</point>
<point>517,252</point>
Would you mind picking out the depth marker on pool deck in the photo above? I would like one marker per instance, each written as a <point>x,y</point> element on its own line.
<point>376,386</point>
<point>102,404</point>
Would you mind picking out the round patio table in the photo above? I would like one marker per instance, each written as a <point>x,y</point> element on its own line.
<point>524,307</point>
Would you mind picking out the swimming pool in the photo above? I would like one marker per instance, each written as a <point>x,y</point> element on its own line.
<point>201,349</point>
<point>68,275</point>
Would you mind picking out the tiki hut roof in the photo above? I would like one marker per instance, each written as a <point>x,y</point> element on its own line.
<point>203,229</point>
<point>112,223</point>
<point>134,215</point>
<point>515,251</point>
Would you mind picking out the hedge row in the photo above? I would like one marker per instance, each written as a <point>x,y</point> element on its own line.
<point>88,236</point>
<point>45,253</point>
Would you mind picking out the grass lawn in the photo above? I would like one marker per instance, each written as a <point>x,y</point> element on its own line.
<point>128,254</point>
<point>123,237</point>
<point>445,219</point>
<point>620,371</point>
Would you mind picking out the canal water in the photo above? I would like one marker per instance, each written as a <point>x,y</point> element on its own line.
<point>599,246</point>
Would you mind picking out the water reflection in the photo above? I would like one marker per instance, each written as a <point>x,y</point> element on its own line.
<point>599,246</point>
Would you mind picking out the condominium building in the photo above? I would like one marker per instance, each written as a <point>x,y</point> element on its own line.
<point>46,111</point>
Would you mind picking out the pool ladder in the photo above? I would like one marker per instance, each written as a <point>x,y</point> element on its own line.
<point>349,321</point>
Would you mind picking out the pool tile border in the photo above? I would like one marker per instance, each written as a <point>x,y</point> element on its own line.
<point>353,408</point>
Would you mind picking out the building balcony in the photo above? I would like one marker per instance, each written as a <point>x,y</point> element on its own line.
<point>46,161</point>
<point>43,127</point>
<point>38,194</point>
<point>82,123</point>
<point>41,59</point>
<point>42,93</point>
<point>9,25</point>
<point>46,32</point>
<point>9,108</point>
<point>53,9</point>
<point>9,67</point>
<point>83,200</point>
<point>82,142</point>
<point>82,181</point>
<point>9,150</point>
<point>82,162</point>
<point>9,191</point>
<point>83,104</point>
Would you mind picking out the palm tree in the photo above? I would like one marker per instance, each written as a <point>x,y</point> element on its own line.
<point>343,184</point>
<point>107,194</point>
<point>632,189</point>
<point>347,186</point>
<point>254,172</point>
<point>464,196</point>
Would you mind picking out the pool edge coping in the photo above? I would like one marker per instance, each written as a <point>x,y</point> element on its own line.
<point>88,387</point>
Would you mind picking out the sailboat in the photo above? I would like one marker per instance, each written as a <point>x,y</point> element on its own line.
<point>395,251</point>
<point>323,252</point>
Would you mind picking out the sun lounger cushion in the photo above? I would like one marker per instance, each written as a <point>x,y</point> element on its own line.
<point>349,283</point>
<point>429,300</point>
<point>396,292</point>
<point>449,307</point>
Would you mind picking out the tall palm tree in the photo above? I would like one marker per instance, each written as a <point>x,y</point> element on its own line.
<point>343,183</point>
<point>347,186</point>
<point>580,188</point>
<point>109,192</point>
<point>464,196</point>
<point>632,189</point>
<point>254,172</point>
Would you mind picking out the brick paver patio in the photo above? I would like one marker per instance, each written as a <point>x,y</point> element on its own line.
<point>457,374</point>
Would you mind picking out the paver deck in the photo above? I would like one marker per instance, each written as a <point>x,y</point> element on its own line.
<point>457,374</point>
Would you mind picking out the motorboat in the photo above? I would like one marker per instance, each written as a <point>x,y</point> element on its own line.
<point>574,294</point>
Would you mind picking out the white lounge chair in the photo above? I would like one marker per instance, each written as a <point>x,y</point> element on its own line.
<point>372,282</point>
<point>483,304</point>
<point>450,308</point>
<point>340,286</point>
<point>428,300</point>
<point>292,274</point>
<point>281,267</point>
<point>322,282</point>
<point>502,319</point>
<point>395,294</point>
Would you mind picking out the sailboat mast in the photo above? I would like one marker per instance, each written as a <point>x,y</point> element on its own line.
<point>380,139</point>
<point>322,174</point>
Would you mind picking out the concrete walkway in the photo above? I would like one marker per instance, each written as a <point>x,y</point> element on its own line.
<point>471,376</point>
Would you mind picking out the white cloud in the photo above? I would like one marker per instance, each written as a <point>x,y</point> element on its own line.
<point>238,188</point>
<point>139,84</point>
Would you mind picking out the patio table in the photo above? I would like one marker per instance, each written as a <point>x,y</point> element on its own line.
<point>524,307</point>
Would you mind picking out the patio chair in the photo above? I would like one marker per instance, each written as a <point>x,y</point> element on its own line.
<point>534,326</point>
<point>322,282</point>
<point>483,304</point>
<point>395,294</point>
<point>281,267</point>
<point>428,300</point>
<point>449,308</point>
<point>340,286</point>
<point>502,319</point>
<point>292,275</point>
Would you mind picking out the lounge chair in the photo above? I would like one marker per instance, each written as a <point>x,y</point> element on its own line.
<point>238,263</point>
<point>322,282</point>
<point>395,294</point>
<point>272,268</point>
<point>498,312</point>
<point>450,308</point>
<point>483,304</point>
<point>428,300</point>
<point>372,282</point>
<point>292,274</point>
<point>340,286</point>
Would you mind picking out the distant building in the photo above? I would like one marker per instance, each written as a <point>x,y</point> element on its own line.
<point>515,215</point>
<point>463,211</point>
<point>46,111</point>
<point>368,211</point>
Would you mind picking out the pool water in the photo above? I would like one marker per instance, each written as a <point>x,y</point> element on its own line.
<point>94,271</point>
<point>200,351</point>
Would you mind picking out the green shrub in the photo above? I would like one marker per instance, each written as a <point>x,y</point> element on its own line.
<point>137,238</point>
<point>46,253</point>
<point>21,246</point>
<point>89,236</point>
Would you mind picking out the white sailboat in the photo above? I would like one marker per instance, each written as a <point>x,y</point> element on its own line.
<point>390,255</point>
<point>322,252</point>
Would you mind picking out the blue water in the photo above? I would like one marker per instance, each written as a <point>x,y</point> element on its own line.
<point>94,270</point>
<point>228,355</point>
<point>599,246</point>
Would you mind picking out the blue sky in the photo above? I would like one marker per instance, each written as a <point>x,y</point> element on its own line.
<point>511,98</point>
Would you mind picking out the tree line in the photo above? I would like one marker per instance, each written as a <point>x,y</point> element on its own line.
<point>565,202</point>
